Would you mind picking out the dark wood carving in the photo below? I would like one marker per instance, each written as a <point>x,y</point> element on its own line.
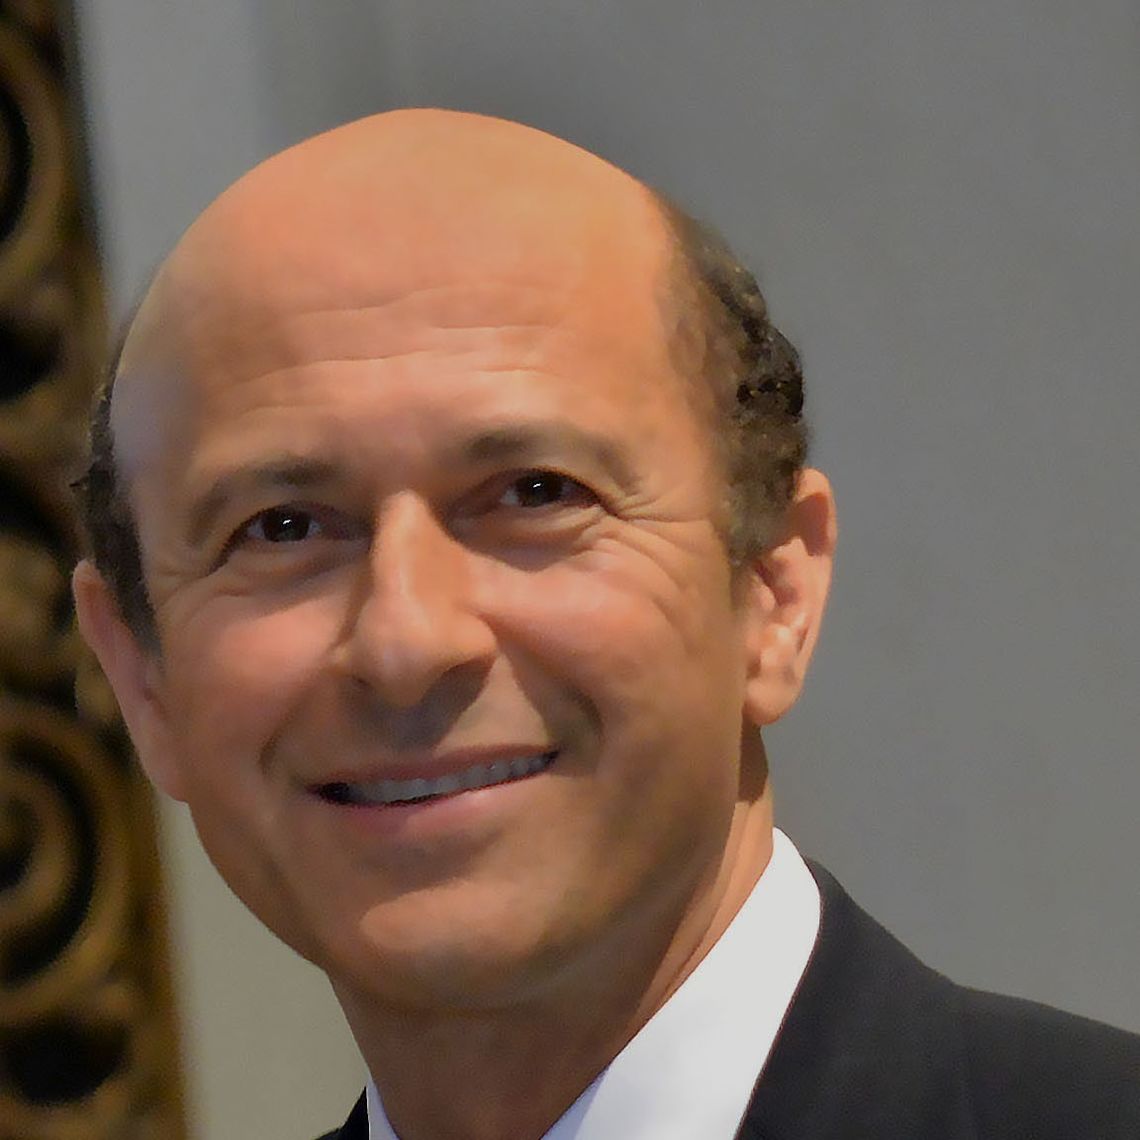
<point>87,1039</point>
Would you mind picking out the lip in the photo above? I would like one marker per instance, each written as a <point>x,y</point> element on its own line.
<point>432,767</point>
<point>463,815</point>
<point>454,776</point>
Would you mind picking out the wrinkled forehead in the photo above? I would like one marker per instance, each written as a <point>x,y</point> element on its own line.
<point>499,220</point>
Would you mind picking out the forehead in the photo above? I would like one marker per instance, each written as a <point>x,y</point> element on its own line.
<point>311,261</point>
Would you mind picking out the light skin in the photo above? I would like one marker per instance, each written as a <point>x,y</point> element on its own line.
<point>420,486</point>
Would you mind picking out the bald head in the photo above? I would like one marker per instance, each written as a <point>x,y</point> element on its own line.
<point>347,235</point>
<point>393,204</point>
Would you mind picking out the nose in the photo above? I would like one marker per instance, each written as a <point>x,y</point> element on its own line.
<point>413,623</point>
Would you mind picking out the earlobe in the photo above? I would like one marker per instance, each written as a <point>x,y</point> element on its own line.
<point>787,593</point>
<point>133,672</point>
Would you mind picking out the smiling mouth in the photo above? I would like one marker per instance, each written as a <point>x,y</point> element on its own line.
<point>421,789</point>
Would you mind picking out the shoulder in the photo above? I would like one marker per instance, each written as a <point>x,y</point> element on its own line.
<point>875,1023</point>
<point>1038,1072</point>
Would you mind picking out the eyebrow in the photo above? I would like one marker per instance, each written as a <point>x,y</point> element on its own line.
<point>537,442</point>
<point>286,473</point>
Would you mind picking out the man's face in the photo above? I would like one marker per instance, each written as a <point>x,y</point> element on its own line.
<point>451,670</point>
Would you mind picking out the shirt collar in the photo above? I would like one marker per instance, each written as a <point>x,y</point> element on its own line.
<point>691,1068</point>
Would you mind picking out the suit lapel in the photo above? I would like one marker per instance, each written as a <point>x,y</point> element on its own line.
<point>356,1126</point>
<point>870,1046</point>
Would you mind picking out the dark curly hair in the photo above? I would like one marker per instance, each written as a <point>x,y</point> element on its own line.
<point>751,372</point>
<point>753,376</point>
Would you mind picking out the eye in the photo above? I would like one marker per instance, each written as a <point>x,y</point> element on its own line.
<point>282,524</point>
<point>542,489</point>
<point>295,524</point>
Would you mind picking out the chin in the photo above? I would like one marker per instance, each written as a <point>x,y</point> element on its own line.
<point>462,969</point>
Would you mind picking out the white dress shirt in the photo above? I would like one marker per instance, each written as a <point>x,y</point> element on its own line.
<point>689,1072</point>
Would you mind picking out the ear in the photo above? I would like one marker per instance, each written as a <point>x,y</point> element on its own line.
<point>786,594</point>
<point>135,674</point>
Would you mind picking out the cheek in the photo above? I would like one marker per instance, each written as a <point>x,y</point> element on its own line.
<point>233,674</point>
<point>624,620</point>
<point>659,666</point>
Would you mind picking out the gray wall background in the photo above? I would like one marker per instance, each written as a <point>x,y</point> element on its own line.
<point>942,201</point>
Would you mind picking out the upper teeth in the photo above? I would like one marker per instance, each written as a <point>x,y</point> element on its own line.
<point>403,791</point>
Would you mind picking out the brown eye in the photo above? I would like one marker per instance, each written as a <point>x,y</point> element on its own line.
<point>282,524</point>
<point>541,489</point>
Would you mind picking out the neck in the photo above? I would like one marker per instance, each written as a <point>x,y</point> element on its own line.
<point>509,1073</point>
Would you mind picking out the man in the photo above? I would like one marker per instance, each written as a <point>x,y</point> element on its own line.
<point>452,546</point>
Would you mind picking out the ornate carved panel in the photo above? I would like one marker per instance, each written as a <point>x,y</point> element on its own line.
<point>87,1038</point>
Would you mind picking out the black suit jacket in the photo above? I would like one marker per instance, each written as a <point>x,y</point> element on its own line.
<point>877,1046</point>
